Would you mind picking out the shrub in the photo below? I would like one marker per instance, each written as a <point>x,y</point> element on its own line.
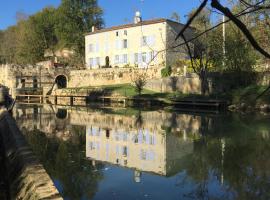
<point>140,82</point>
<point>165,72</point>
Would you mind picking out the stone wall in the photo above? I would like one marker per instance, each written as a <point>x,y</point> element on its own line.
<point>27,177</point>
<point>184,84</point>
<point>217,82</point>
<point>18,78</point>
<point>14,76</point>
<point>109,76</point>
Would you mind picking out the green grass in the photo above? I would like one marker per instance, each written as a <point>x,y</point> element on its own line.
<point>121,89</point>
<point>128,90</point>
<point>242,95</point>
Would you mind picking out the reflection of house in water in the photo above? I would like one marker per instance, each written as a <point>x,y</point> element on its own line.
<point>53,122</point>
<point>150,141</point>
<point>148,148</point>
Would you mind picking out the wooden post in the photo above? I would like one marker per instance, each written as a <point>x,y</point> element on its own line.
<point>71,100</point>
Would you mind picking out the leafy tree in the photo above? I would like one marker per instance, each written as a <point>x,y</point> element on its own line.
<point>50,30</point>
<point>239,55</point>
<point>8,45</point>
<point>165,72</point>
<point>75,18</point>
<point>35,36</point>
<point>200,54</point>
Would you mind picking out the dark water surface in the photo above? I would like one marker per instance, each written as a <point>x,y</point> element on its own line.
<point>133,154</point>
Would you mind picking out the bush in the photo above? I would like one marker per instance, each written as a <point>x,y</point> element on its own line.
<point>140,82</point>
<point>165,72</point>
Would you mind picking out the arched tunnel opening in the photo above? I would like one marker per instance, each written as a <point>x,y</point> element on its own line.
<point>61,81</point>
<point>61,113</point>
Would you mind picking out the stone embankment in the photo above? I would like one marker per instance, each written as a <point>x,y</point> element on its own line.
<point>26,177</point>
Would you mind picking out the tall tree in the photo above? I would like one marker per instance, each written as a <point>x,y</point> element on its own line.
<point>75,18</point>
<point>200,55</point>
<point>35,36</point>
<point>8,45</point>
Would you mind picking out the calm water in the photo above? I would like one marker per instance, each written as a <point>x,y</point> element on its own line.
<point>132,154</point>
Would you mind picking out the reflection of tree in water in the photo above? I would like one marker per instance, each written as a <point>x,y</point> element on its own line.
<point>139,119</point>
<point>66,163</point>
<point>242,171</point>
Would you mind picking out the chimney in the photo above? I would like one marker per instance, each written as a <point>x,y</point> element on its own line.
<point>94,28</point>
<point>137,18</point>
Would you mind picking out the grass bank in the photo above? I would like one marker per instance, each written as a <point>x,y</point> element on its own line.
<point>128,90</point>
<point>246,96</point>
<point>249,95</point>
<point>247,99</point>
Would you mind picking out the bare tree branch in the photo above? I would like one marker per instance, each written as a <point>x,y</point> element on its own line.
<point>240,25</point>
<point>203,4</point>
<point>189,52</point>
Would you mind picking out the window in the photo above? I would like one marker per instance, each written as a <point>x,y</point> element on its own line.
<point>90,48</point>
<point>144,57</point>
<point>125,59</point>
<point>136,58</point>
<point>97,61</point>
<point>97,47</point>
<point>148,40</point>
<point>144,41</point>
<point>143,154</point>
<point>23,83</point>
<point>125,32</point>
<point>124,151</point>
<point>107,133</point>
<point>125,44</point>
<point>91,62</point>
<point>117,34</point>
<point>152,55</point>
<point>116,59</point>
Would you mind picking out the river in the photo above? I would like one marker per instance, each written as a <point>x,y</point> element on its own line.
<point>110,153</point>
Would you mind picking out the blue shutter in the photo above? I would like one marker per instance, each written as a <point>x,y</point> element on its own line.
<point>139,58</point>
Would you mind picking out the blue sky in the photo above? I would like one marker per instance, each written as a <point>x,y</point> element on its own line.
<point>115,11</point>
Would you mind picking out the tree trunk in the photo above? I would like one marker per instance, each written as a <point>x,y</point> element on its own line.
<point>204,82</point>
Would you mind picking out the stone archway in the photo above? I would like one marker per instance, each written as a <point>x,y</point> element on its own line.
<point>61,81</point>
<point>61,113</point>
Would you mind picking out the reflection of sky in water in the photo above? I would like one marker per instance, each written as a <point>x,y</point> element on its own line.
<point>179,157</point>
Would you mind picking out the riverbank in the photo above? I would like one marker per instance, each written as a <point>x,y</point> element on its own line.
<point>249,99</point>
<point>242,99</point>
<point>128,94</point>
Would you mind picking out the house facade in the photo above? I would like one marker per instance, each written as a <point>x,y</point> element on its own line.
<point>141,44</point>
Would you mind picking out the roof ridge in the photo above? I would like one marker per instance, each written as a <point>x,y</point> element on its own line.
<point>145,22</point>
